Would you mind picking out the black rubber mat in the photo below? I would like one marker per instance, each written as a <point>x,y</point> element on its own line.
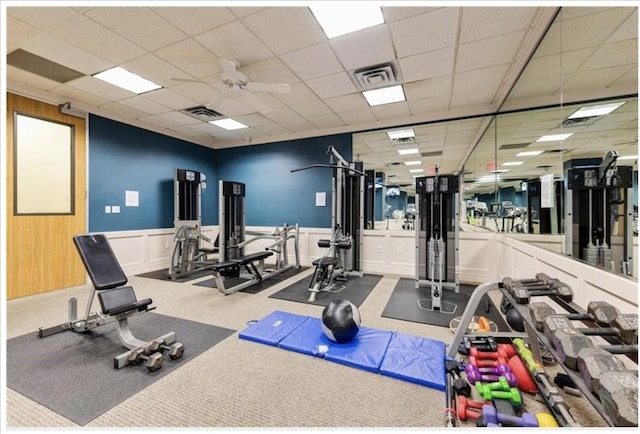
<point>407,303</point>
<point>257,287</point>
<point>356,290</point>
<point>72,373</point>
<point>163,274</point>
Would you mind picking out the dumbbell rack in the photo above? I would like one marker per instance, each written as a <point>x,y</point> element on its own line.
<point>531,336</point>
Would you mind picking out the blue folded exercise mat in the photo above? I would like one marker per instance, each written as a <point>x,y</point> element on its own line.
<point>410,358</point>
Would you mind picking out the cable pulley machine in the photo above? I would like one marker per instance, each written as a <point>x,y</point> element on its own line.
<point>437,239</point>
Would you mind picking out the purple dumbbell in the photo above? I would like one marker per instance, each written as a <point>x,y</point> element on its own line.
<point>491,415</point>
<point>497,370</point>
<point>473,375</point>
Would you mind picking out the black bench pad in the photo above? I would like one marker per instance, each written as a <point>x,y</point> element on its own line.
<point>118,300</point>
<point>325,262</point>
<point>244,260</point>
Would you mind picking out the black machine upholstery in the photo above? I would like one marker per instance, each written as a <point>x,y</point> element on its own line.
<point>107,276</point>
<point>326,261</point>
<point>244,260</point>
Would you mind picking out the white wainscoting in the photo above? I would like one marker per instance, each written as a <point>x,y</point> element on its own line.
<point>483,257</point>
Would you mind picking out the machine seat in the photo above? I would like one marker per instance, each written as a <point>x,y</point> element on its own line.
<point>244,260</point>
<point>326,261</point>
<point>119,300</point>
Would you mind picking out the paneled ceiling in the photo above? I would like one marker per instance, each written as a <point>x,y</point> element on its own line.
<point>455,63</point>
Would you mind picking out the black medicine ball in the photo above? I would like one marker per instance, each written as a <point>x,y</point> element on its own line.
<point>340,320</point>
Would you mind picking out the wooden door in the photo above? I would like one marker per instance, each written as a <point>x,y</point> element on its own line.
<point>41,256</point>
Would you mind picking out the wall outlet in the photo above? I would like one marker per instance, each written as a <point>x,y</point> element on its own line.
<point>399,250</point>
<point>166,245</point>
<point>115,209</point>
<point>379,249</point>
<point>107,209</point>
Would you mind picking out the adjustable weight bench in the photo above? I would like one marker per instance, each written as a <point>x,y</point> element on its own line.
<point>231,268</point>
<point>118,303</point>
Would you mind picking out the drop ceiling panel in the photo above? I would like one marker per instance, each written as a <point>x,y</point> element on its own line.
<point>124,110</point>
<point>285,29</point>
<point>271,70</point>
<point>489,78</point>
<point>311,109</point>
<point>326,121</point>
<point>234,41</point>
<point>392,14</point>
<point>613,54</point>
<point>110,45</point>
<point>428,65</point>
<point>153,68</point>
<point>357,116</point>
<point>300,93</point>
<point>148,29</point>
<point>196,20</point>
<point>171,99</point>
<point>332,85</point>
<point>170,119</point>
<point>20,33</point>
<point>192,58</point>
<point>66,54</point>
<point>73,94</point>
<point>349,50</point>
<point>488,52</point>
<point>487,22</point>
<point>345,103</point>
<point>100,88</point>
<point>25,77</point>
<point>396,110</point>
<point>254,120</point>
<point>312,62</point>
<point>43,18</point>
<point>628,29</point>
<point>599,79</point>
<point>599,24</point>
<point>145,105</point>
<point>273,129</point>
<point>409,35</point>
<point>426,105</point>
<point>428,88</point>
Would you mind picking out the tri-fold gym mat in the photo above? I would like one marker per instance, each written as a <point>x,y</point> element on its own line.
<point>410,358</point>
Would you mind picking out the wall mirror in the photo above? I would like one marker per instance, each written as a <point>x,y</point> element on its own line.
<point>574,104</point>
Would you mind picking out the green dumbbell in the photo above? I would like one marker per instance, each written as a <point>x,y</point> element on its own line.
<point>513,394</point>
<point>502,384</point>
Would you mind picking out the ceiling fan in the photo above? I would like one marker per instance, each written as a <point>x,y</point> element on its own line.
<point>237,84</point>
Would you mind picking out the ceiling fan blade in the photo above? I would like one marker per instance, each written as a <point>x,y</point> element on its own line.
<point>217,101</point>
<point>189,80</point>
<point>255,102</point>
<point>269,87</point>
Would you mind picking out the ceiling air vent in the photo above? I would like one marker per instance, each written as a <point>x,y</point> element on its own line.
<point>202,113</point>
<point>514,146</point>
<point>579,122</point>
<point>431,154</point>
<point>403,141</point>
<point>373,77</point>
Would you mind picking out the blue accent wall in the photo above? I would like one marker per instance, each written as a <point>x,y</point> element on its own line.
<point>275,195</point>
<point>123,157</point>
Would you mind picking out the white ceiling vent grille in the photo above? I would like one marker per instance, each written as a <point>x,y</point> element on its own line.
<point>373,77</point>
<point>202,113</point>
<point>403,141</point>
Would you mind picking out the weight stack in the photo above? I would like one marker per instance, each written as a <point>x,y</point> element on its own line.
<point>436,264</point>
<point>591,254</point>
<point>604,257</point>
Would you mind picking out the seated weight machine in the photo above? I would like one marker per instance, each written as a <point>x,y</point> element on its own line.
<point>342,259</point>
<point>190,254</point>
<point>437,239</point>
<point>248,269</point>
<point>118,303</point>
<point>598,196</point>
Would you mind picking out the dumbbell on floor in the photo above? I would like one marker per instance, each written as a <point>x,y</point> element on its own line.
<point>490,415</point>
<point>153,361</point>
<point>474,375</point>
<point>463,405</point>
<point>460,385</point>
<point>513,394</point>
<point>174,350</point>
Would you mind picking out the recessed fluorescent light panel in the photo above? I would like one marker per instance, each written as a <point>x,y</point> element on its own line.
<point>401,134</point>
<point>500,170</point>
<point>228,124</point>
<point>416,170</point>
<point>513,163</point>
<point>595,110</point>
<point>412,163</point>
<point>340,20</point>
<point>554,137</point>
<point>127,80</point>
<point>408,151</point>
<point>384,95</point>
<point>628,157</point>
<point>528,153</point>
